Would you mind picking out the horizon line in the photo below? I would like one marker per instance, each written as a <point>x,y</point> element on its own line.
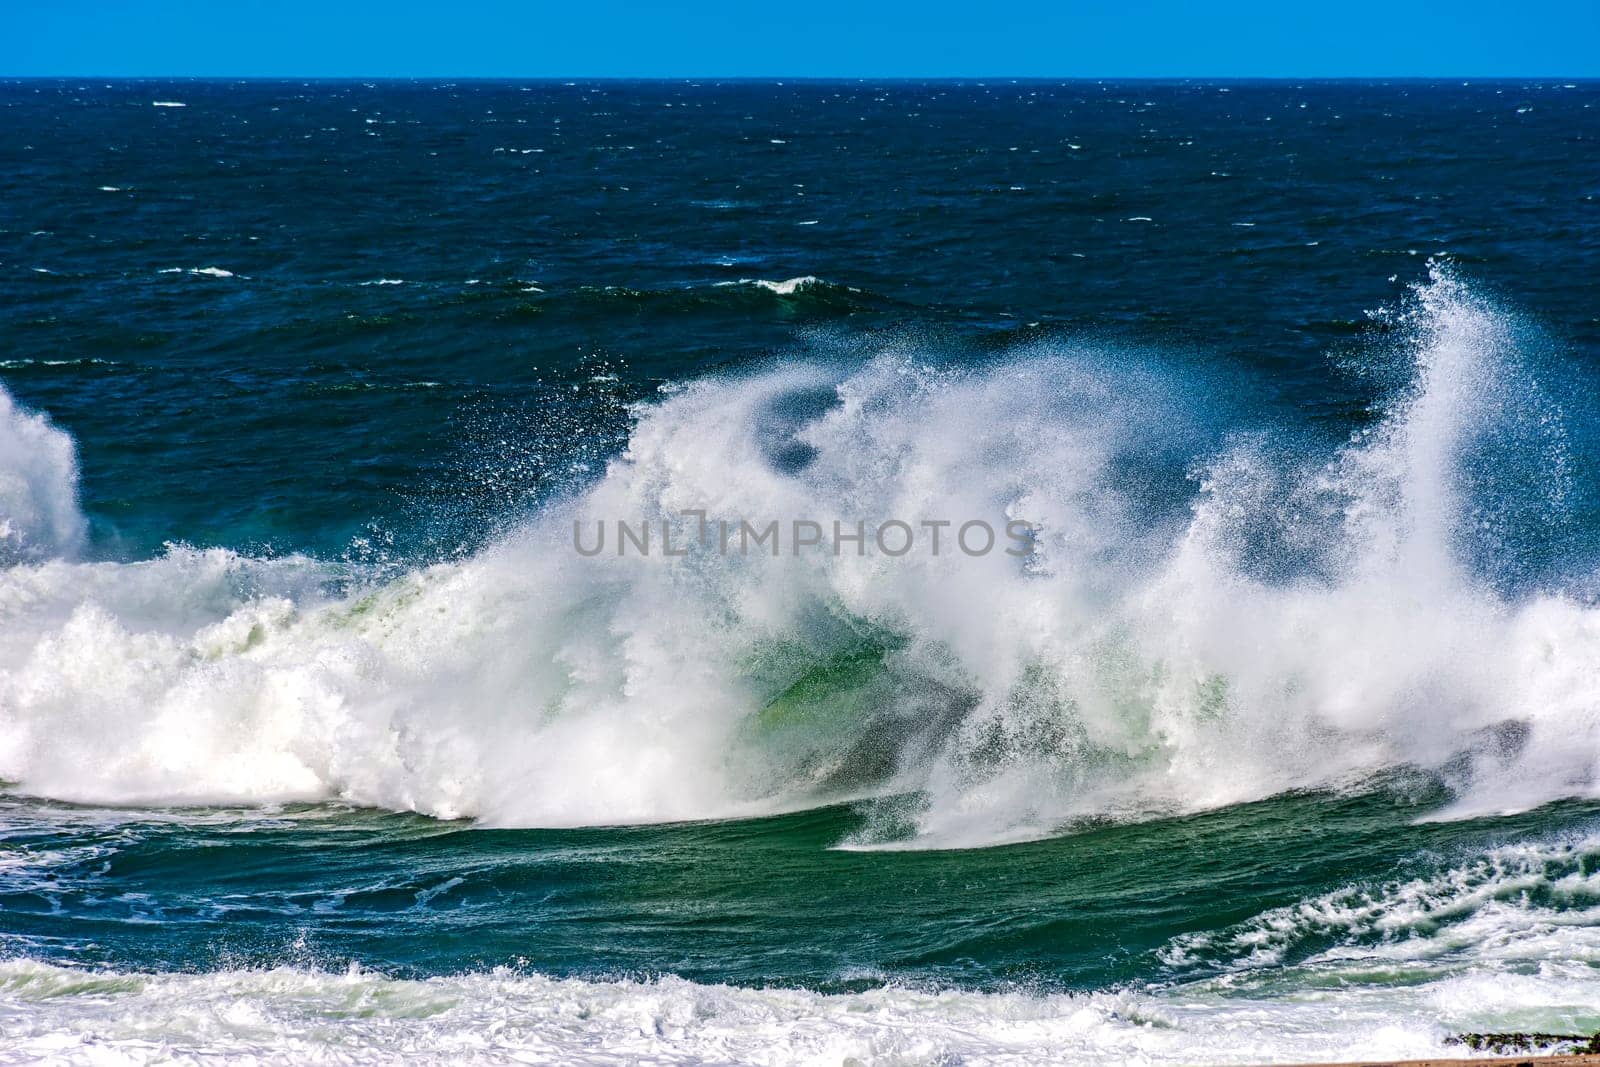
<point>832,78</point>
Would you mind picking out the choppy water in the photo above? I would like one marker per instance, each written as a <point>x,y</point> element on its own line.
<point>322,742</point>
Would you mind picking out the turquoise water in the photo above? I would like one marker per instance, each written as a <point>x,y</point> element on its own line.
<point>773,901</point>
<point>1270,928</point>
<point>321,741</point>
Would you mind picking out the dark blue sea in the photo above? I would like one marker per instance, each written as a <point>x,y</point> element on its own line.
<point>341,720</point>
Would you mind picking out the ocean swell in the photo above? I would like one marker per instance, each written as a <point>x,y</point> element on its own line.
<point>1207,617</point>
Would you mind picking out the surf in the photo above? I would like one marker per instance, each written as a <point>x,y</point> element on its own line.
<point>1215,611</point>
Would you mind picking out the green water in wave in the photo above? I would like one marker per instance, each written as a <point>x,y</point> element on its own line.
<point>767,901</point>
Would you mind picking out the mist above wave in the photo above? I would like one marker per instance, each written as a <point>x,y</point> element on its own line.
<point>1206,617</point>
<point>39,514</point>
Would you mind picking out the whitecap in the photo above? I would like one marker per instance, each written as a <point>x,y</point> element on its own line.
<point>787,287</point>
<point>1143,668</point>
<point>39,516</point>
<point>352,1015</point>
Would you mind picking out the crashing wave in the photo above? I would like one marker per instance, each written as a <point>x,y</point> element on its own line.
<point>1278,620</point>
<point>39,516</point>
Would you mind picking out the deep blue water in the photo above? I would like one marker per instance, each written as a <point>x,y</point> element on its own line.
<point>546,230</point>
<point>1281,743</point>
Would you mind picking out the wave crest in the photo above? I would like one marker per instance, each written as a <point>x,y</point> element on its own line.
<point>39,514</point>
<point>1207,618</point>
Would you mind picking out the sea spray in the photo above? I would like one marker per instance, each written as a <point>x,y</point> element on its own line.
<point>1202,621</point>
<point>39,515</point>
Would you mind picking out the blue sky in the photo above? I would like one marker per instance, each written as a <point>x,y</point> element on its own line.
<point>816,38</point>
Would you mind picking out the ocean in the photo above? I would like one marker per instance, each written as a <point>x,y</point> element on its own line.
<point>1266,728</point>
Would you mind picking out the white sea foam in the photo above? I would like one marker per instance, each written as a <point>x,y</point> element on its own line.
<point>205,272</point>
<point>287,1016</point>
<point>1507,939</point>
<point>39,515</point>
<point>87,361</point>
<point>1134,664</point>
<point>1528,905</point>
<point>294,1016</point>
<point>787,287</point>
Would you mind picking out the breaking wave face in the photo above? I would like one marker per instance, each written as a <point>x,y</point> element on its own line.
<point>1206,618</point>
